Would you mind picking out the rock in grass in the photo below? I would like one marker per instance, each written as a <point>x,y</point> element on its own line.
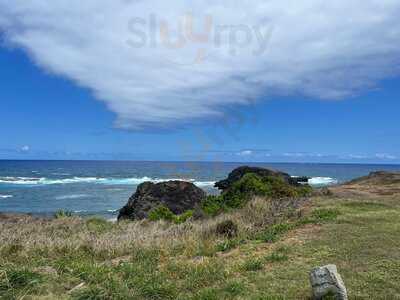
<point>325,282</point>
<point>177,196</point>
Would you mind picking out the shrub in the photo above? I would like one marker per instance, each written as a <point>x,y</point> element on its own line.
<point>227,228</point>
<point>164,213</point>
<point>278,188</point>
<point>242,190</point>
<point>212,205</point>
<point>179,219</point>
<point>62,214</point>
<point>161,213</point>
<point>251,185</point>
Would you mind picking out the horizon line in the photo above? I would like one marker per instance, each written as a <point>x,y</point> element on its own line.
<point>201,161</point>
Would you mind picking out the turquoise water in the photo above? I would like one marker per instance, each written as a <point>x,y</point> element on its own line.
<point>102,187</point>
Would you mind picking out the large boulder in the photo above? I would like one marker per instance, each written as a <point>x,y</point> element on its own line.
<point>178,196</point>
<point>238,173</point>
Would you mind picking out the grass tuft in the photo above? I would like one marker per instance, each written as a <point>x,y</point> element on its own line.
<point>253,264</point>
<point>275,232</point>
<point>16,281</point>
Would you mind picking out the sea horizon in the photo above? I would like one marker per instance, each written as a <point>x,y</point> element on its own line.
<point>207,161</point>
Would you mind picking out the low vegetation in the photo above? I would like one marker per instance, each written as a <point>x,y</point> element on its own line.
<point>164,213</point>
<point>249,186</point>
<point>62,214</point>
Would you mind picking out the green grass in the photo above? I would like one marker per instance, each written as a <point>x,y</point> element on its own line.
<point>15,281</point>
<point>277,257</point>
<point>360,237</point>
<point>253,264</point>
<point>274,233</point>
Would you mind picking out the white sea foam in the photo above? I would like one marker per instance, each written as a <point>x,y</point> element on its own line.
<point>74,196</point>
<point>204,183</point>
<point>6,196</point>
<point>32,181</point>
<point>112,210</point>
<point>320,181</point>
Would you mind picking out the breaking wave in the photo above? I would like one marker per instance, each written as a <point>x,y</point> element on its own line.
<point>75,196</point>
<point>34,181</point>
<point>321,181</point>
<point>6,196</point>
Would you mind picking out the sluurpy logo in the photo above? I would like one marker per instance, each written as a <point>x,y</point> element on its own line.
<point>181,42</point>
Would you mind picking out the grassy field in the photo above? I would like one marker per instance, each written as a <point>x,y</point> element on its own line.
<point>270,256</point>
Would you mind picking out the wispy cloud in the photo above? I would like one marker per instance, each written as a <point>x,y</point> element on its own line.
<point>385,156</point>
<point>229,52</point>
<point>245,153</point>
<point>377,156</point>
<point>25,148</point>
<point>303,154</point>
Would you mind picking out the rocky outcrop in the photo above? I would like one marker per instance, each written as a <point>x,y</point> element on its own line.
<point>380,183</point>
<point>238,173</point>
<point>326,281</point>
<point>378,178</point>
<point>178,196</point>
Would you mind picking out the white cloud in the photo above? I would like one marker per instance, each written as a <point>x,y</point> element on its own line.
<point>25,149</point>
<point>382,156</point>
<point>322,49</point>
<point>385,156</point>
<point>297,154</point>
<point>245,153</point>
<point>356,156</point>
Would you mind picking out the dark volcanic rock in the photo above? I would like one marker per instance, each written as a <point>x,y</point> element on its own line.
<point>238,173</point>
<point>178,196</point>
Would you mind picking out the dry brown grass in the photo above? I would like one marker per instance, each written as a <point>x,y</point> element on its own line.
<point>119,239</point>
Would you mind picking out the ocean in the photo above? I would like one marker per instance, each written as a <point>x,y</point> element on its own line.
<point>100,188</point>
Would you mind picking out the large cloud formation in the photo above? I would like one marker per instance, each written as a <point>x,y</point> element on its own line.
<point>158,63</point>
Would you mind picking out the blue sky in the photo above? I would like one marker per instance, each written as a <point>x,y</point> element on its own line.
<point>58,102</point>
